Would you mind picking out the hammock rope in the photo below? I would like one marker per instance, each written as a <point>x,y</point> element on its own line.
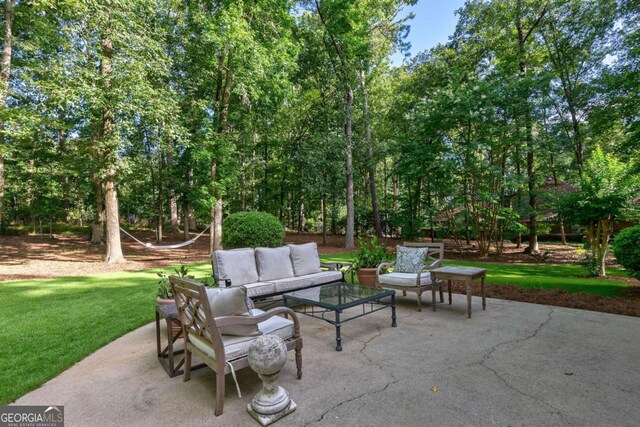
<point>164,247</point>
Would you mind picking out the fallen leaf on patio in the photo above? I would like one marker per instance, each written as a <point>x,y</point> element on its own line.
<point>434,389</point>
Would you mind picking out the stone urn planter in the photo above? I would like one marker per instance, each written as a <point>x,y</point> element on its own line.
<point>366,276</point>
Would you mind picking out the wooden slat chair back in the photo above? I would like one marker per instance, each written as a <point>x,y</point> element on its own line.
<point>199,323</point>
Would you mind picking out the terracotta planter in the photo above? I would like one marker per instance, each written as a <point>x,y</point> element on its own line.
<point>367,276</point>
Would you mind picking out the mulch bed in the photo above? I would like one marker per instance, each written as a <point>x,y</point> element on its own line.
<point>628,305</point>
<point>35,257</point>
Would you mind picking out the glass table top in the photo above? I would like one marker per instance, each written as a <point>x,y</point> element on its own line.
<point>336,296</point>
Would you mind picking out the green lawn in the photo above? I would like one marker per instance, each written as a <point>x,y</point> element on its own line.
<point>48,325</point>
<point>51,324</point>
<point>569,277</point>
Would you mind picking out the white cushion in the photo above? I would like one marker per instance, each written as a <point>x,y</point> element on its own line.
<point>284,285</point>
<point>404,279</point>
<point>324,277</point>
<point>305,259</point>
<point>273,263</point>
<point>231,302</point>
<point>235,347</point>
<point>239,265</point>
<point>259,288</point>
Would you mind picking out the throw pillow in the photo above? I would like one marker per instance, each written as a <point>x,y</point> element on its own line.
<point>231,302</point>
<point>410,260</point>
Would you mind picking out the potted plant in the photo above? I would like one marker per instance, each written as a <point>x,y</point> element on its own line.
<point>367,259</point>
<point>164,293</point>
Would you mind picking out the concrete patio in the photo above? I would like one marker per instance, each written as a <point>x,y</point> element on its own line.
<point>513,364</point>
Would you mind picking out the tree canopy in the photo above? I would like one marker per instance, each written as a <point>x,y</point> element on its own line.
<point>177,113</point>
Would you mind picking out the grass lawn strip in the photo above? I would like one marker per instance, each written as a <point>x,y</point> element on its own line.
<point>568,277</point>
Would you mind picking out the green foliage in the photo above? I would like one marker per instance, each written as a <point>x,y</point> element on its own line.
<point>626,248</point>
<point>165,290</point>
<point>370,254</point>
<point>252,229</point>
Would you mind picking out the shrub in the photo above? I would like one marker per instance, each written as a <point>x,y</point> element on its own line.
<point>252,229</point>
<point>626,248</point>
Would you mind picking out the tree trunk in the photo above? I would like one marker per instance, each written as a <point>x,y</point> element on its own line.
<point>185,215</point>
<point>160,201</point>
<point>323,209</point>
<point>66,203</point>
<point>97,229</point>
<point>5,73</point>
<point>215,236</point>
<point>522,38</point>
<point>114,248</point>
<point>173,202</point>
<point>372,166</point>
<point>349,236</point>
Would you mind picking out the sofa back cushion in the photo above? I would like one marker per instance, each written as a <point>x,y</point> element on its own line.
<point>305,259</point>
<point>231,302</point>
<point>238,265</point>
<point>273,263</point>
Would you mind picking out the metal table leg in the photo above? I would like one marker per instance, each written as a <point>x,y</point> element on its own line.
<point>393,311</point>
<point>338,337</point>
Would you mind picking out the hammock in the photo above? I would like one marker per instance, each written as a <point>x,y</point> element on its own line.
<point>161,247</point>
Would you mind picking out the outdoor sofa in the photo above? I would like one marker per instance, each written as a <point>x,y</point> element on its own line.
<point>267,272</point>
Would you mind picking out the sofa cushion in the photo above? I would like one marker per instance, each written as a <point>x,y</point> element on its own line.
<point>273,263</point>
<point>409,260</point>
<point>259,288</point>
<point>292,283</point>
<point>404,279</point>
<point>324,277</point>
<point>235,347</point>
<point>238,265</point>
<point>231,302</point>
<point>305,259</point>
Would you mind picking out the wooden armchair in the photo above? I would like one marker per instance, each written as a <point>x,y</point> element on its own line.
<point>222,352</point>
<point>415,278</point>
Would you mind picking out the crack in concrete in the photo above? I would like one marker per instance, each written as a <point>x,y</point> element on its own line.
<point>512,387</point>
<point>324,414</point>
<point>372,362</point>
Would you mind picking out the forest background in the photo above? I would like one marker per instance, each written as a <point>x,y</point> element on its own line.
<point>174,114</point>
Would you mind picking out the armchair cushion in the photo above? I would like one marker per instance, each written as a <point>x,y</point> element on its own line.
<point>235,346</point>
<point>410,260</point>
<point>231,302</point>
<point>238,265</point>
<point>305,259</point>
<point>273,263</point>
<point>404,279</point>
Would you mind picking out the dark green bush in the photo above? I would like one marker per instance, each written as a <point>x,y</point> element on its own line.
<point>252,229</point>
<point>626,248</point>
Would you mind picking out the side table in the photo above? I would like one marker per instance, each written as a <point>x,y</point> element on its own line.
<point>463,274</point>
<point>166,355</point>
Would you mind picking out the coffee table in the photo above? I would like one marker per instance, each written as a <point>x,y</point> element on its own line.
<point>327,302</point>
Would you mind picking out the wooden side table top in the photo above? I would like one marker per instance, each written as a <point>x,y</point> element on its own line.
<point>459,273</point>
